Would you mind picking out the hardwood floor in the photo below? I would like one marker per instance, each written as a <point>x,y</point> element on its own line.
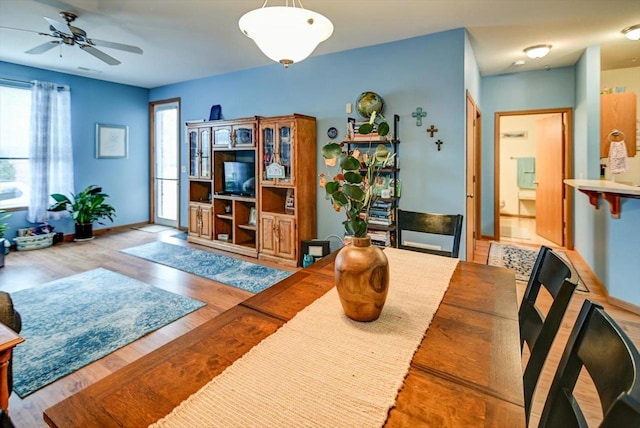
<point>31,268</point>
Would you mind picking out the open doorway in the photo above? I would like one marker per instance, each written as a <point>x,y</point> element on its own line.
<point>533,157</point>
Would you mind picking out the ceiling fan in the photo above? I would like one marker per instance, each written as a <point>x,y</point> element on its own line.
<point>71,35</point>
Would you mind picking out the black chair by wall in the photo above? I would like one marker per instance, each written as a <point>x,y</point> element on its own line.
<point>537,331</point>
<point>599,345</point>
<point>438,224</point>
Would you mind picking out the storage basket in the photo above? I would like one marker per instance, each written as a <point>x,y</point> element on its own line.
<point>34,242</point>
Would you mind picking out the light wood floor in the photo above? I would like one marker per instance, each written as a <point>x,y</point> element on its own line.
<point>31,268</point>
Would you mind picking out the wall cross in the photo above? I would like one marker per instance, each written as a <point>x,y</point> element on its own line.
<point>432,130</point>
<point>439,143</point>
<point>419,114</point>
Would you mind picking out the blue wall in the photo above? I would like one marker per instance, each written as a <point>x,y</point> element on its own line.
<point>95,101</point>
<point>606,244</point>
<point>533,90</point>
<point>427,72</point>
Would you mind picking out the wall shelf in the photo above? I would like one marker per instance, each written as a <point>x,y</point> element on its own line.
<point>610,191</point>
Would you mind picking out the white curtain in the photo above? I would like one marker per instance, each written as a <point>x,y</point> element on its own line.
<point>50,150</point>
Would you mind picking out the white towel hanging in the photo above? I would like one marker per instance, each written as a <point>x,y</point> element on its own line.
<point>618,159</point>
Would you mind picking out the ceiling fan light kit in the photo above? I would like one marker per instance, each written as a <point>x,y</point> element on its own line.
<point>286,34</point>
<point>632,33</point>
<point>71,35</point>
<point>537,51</point>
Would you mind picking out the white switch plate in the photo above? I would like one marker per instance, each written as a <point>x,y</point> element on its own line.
<point>348,109</point>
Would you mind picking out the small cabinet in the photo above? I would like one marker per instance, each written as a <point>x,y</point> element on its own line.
<point>278,157</point>
<point>278,236</point>
<point>618,113</point>
<point>199,140</point>
<point>200,220</point>
<point>239,133</point>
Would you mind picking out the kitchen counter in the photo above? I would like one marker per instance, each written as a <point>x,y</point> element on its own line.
<point>610,191</point>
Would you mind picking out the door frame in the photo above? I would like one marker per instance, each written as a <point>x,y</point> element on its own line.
<point>152,157</point>
<point>473,161</point>
<point>567,114</point>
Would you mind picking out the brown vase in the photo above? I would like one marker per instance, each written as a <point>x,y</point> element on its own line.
<point>362,279</point>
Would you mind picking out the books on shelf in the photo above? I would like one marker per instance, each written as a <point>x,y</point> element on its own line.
<point>381,238</point>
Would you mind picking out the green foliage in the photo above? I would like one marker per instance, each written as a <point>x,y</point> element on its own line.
<point>85,207</point>
<point>7,170</point>
<point>349,189</point>
<point>3,224</point>
<point>379,121</point>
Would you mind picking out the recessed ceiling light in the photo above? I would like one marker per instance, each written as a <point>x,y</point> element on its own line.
<point>519,62</point>
<point>632,33</point>
<point>537,51</point>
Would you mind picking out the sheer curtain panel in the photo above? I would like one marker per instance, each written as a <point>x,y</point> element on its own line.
<point>50,150</point>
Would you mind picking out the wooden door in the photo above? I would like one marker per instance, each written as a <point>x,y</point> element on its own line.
<point>286,238</point>
<point>472,138</point>
<point>205,222</point>
<point>267,234</point>
<point>194,217</point>
<point>549,177</point>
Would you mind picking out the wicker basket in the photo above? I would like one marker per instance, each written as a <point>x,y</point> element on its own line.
<point>34,242</point>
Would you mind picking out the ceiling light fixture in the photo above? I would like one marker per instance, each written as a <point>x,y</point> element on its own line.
<point>632,33</point>
<point>537,51</point>
<point>286,34</point>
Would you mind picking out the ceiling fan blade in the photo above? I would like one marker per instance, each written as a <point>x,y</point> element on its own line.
<point>59,26</point>
<point>112,45</point>
<point>99,54</point>
<point>43,48</point>
<point>26,31</point>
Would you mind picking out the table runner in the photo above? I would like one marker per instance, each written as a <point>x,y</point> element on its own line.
<point>321,368</point>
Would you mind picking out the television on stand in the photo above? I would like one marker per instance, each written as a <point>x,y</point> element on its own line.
<point>240,178</point>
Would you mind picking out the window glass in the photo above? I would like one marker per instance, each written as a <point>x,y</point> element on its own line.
<point>15,112</point>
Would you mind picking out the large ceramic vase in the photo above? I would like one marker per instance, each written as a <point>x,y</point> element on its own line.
<point>362,279</point>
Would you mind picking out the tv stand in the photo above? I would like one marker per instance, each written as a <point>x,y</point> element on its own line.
<point>271,223</point>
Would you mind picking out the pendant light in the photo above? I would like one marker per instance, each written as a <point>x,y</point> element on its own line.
<point>286,34</point>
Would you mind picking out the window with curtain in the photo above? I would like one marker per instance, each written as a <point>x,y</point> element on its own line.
<point>15,111</point>
<point>50,148</point>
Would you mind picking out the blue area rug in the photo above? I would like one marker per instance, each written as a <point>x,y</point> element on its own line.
<point>73,321</point>
<point>227,270</point>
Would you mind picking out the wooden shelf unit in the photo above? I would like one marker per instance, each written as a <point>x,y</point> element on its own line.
<point>241,224</point>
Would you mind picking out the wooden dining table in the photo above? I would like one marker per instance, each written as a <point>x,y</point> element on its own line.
<point>466,372</point>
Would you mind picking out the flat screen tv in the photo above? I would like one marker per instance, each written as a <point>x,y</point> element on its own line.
<point>240,178</point>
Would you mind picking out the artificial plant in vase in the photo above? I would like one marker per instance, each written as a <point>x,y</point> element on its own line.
<point>361,270</point>
<point>86,207</point>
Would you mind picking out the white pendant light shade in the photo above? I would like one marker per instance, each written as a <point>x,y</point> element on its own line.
<point>537,51</point>
<point>632,33</point>
<point>286,34</point>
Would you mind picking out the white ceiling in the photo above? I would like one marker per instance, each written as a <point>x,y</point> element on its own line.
<point>189,39</point>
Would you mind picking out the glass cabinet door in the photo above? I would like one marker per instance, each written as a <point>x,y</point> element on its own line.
<point>222,136</point>
<point>268,151</point>
<point>286,151</point>
<point>243,136</point>
<point>205,153</point>
<point>193,153</point>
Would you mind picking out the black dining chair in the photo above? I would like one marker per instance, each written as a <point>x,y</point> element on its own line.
<point>536,330</point>
<point>430,223</point>
<point>600,346</point>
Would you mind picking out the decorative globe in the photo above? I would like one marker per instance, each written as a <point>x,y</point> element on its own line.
<point>368,102</point>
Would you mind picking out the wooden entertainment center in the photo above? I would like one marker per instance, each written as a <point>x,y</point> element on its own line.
<point>266,213</point>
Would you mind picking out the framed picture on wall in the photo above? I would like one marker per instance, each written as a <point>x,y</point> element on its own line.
<point>112,141</point>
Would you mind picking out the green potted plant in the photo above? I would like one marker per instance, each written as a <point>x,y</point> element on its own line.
<point>86,207</point>
<point>3,227</point>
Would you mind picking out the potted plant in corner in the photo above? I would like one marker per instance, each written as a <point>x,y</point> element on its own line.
<point>86,207</point>
<point>3,227</point>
